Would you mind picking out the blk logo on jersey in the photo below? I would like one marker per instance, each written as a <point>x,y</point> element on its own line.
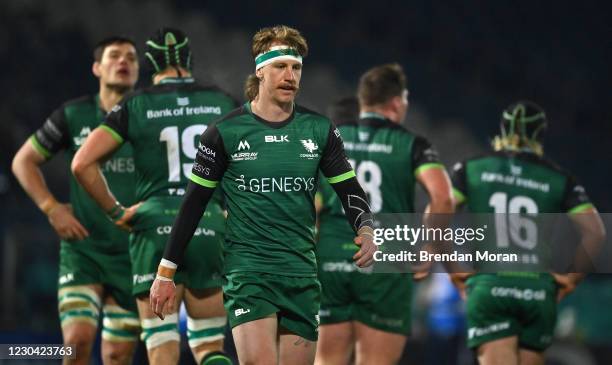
<point>240,311</point>
<point>270,139</point>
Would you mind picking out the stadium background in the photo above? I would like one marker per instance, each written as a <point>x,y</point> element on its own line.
<point>465,61</point>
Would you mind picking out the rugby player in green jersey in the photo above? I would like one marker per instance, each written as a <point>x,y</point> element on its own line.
<point>266,156</point>
<point>361,311</point>
<point>511,315</point>
<point>163,124</point>
<point>94,260</point>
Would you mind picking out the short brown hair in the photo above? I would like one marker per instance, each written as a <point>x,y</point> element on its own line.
<point>100,47</point>
<point>263,40</point>
<point>380,84</point>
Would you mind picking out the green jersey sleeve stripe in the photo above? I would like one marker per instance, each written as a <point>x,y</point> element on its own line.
<point>336,179</point>
<point>206,183</point>
<point>113,133</point>
<point>580,208</point>
<point>459,197</point>
<point>39,148</point>
<point>427,166</point>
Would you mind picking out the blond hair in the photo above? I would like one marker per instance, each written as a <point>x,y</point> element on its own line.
<point>263,40</point>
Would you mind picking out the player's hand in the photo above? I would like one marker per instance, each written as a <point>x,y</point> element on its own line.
<point>162,296</point>
<point>365,256</point>
<point>124,221</point>
<point>65,223</point>
<point>421,271</point>
<point>459,279</point>
<point>566,283</point>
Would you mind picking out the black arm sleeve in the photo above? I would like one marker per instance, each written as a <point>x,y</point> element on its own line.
<point>208,169</point>
<point>53,136</point>
<point>117,119</point>
<point>423,153</point>
<point>194,202</point>
<point>355,203</point>
<point>334,161</point>
<point>575,195</point>
<point>211,160</point>
<point>458,179</point>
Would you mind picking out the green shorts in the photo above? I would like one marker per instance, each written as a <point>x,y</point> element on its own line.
<point>380,301</point>
<point>249,296</point>
<point>504,307</point>
<point>201,266</point>
<point>85,263</point>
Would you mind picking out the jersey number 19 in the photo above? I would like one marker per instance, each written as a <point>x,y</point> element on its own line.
<point>187,144</point>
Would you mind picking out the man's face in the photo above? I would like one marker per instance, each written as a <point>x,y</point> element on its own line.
<point>281,80</point>
<point>118,66</point>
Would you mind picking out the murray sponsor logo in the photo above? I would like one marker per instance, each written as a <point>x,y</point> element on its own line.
<point>244,145</point>
<point>275,184</point>
<point>244,156</point>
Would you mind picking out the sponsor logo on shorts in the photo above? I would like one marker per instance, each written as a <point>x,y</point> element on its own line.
<point>64,279</point>
<point>164,230</point>
<point>324,313</point>
<point>387,321</point>
<point>521,294</point>
<point>345,266</point>
<point>240,311</point>
<point>139,279</point>
<point>483,331</point>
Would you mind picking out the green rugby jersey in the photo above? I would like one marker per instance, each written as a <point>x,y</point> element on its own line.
<point>66,129</point>
<point>269,174</point>
<point>386,157</point>
<point>163,123</point>
<point>511,183</point>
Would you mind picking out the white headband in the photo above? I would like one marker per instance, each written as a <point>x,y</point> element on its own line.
<point>277,53</point>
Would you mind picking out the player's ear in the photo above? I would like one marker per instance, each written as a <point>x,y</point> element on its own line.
<point>95,68</point>
<point>396,102</point>
<point>259,73</point>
